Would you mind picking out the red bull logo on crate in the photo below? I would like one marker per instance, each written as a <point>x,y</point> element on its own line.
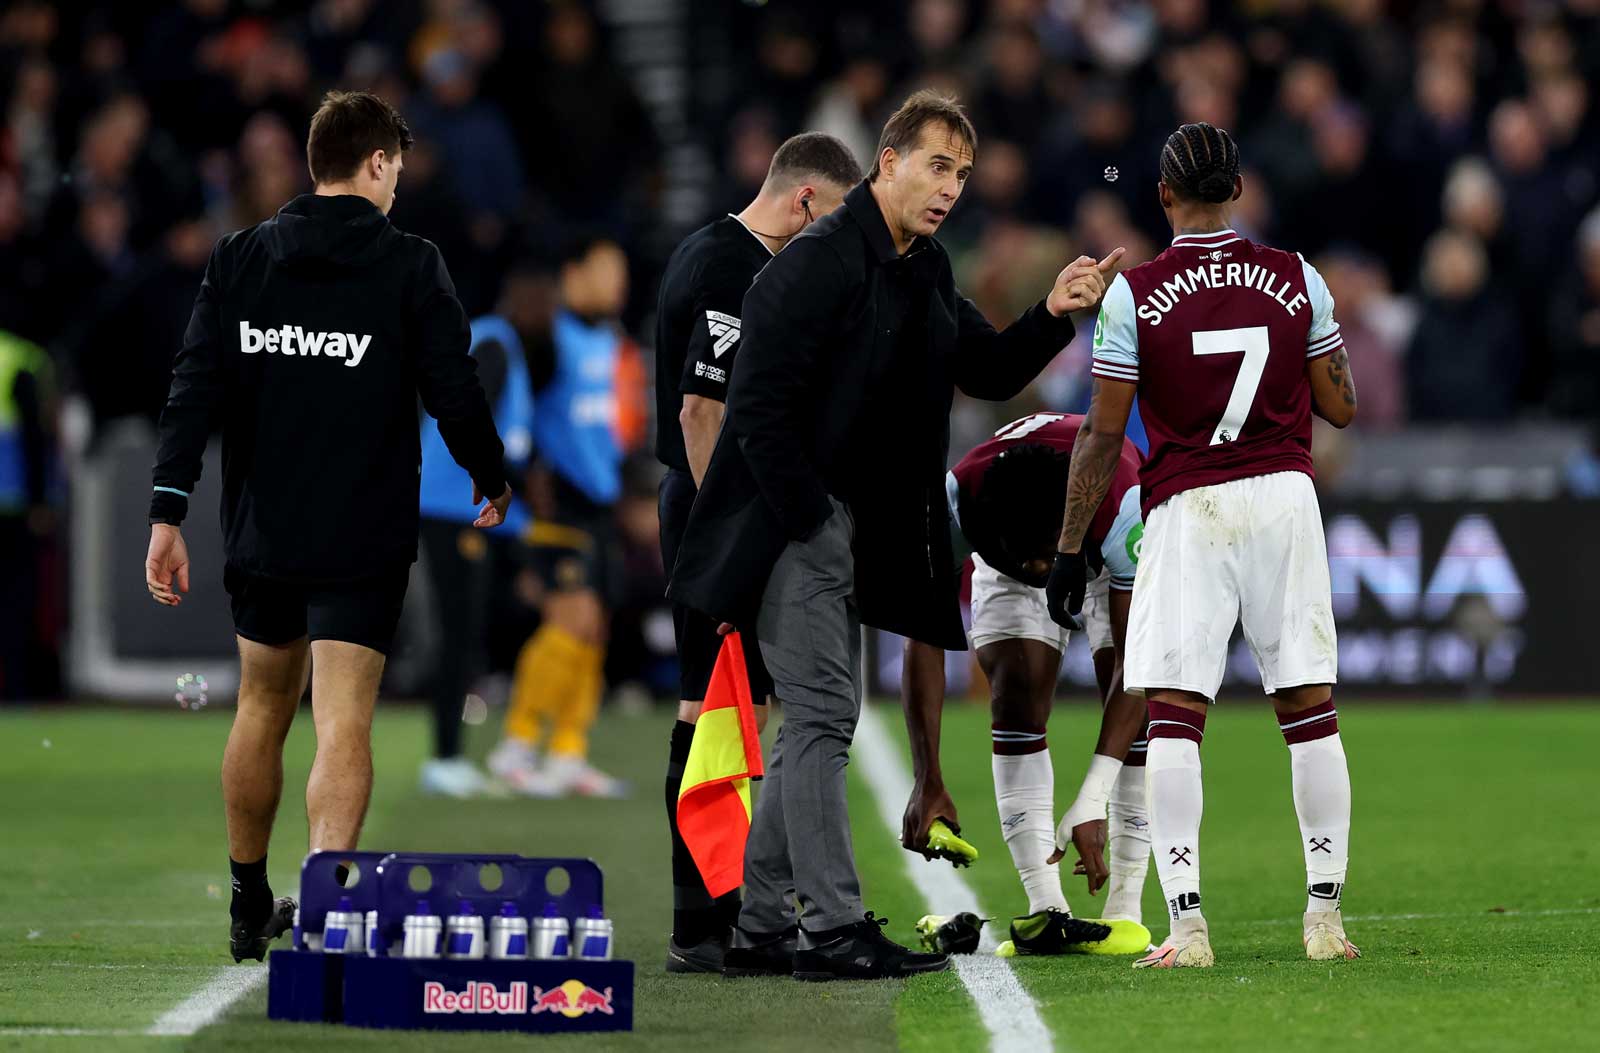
<point>571,999</point>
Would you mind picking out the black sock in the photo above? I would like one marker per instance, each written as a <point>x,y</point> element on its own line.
<point>728,906</point>
<point>252,896</point>
<point>695,918</point>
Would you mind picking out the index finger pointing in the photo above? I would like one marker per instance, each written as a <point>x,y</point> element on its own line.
<point>1077,266</point>
<point>1110,261</point>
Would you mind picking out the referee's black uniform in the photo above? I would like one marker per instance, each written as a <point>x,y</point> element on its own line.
<point>697,340</point>
<point>311,339</point>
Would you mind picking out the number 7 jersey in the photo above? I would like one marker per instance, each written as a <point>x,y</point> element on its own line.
<point>1216,332</point>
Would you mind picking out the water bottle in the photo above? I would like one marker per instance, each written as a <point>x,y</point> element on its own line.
<point>591,936</point>
<point>463,933</point>
<point>306,941</point>
<point>508,933</point>
<point>551,934</point>
<point>422,931</point>
<point>342,932</point>
<point>374,937</point>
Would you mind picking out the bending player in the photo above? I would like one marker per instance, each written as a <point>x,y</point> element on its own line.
<point>1229,345</point>
<point>1004,501</point>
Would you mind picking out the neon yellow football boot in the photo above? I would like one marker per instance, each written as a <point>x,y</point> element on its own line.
<point>1053,932</point>
<point>947,844</point>
<point>1127,937</point>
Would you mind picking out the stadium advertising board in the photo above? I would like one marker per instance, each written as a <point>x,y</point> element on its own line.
<point>1431,598</point>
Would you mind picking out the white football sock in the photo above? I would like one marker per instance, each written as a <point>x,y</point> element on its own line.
<point>1322,801</point>
<point>1024,792</point>
<point>1128,826</point>
<point>1176,803</point>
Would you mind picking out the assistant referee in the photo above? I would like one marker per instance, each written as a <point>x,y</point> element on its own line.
<point>312,336</point>
<point>697,340</point>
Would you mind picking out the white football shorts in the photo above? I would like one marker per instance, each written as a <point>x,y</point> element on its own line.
<point>1247,550</point>
<point>1003,608</point>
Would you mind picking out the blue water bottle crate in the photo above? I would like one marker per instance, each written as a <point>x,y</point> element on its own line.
<point>375,986</point>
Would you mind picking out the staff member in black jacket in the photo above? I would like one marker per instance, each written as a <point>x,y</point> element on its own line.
<point>311,338</point>
<point>823,506</point>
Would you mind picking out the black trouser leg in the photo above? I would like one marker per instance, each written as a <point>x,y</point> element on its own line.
<point>458,568</point>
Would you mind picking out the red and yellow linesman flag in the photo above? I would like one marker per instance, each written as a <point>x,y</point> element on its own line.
<point>725,754</point>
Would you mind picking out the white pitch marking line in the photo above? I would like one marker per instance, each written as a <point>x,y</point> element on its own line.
<point>1451,915</point>
<point>140,923</point>
<point>206,1005</point>
<point>1477,914</point>
<point>1007,1010</point>
<point>120,966</point>
<point>54,1032</point>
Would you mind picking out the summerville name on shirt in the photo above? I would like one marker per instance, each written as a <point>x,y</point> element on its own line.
<point>292,340</point>
<point>1164,297</point>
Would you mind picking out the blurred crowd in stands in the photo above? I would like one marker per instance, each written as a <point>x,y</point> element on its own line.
<point>1440,161</point>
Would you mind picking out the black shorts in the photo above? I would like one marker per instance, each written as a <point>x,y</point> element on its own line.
<point>273,612</point>
<point>575,549</point>
<point>698,642</point>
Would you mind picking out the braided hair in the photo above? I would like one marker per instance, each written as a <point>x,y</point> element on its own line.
<point>1200,162</point>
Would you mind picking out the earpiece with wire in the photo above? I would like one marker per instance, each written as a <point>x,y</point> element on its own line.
<point>805,205</point>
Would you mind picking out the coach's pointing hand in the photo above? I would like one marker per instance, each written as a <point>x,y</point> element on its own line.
<point>1081,283</point>
<point>493,513</point>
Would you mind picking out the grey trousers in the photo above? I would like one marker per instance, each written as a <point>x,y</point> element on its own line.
<point>799,849</point>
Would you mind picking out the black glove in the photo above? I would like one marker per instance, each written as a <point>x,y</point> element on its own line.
<point>1063,593</point>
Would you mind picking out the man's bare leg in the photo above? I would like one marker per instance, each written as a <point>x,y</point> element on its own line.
<point>344,690</point>
<point>272,680</point>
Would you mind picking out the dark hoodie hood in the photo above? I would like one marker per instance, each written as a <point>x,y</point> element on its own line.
<point>345,231</point>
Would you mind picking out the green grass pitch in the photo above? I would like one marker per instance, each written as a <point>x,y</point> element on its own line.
<point>1472,890</point>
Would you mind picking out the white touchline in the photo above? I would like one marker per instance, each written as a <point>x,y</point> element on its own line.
<point>145,923</point>
<point>1449,915</point>
<point>148,968</point>
<point>1007,1010</point>
<point>59,1032</point>
<point>206,1005</point>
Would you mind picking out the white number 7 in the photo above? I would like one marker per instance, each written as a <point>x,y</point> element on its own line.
<point>1255,345</point>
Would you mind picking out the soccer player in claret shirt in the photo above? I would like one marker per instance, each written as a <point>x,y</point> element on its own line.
<point>1005,502</point>
<point>1230,346</point>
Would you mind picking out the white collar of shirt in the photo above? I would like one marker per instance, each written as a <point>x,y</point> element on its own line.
<point>1215,239</point>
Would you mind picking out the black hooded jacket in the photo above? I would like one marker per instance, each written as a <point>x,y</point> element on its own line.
<point>830,398</point>
<point>311,339</point>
